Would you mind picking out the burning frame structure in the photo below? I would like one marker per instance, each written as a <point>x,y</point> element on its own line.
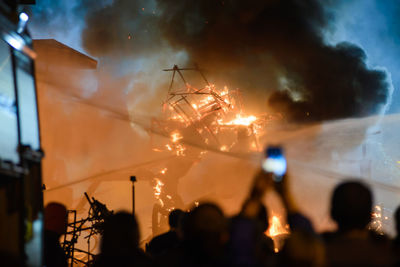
<point>196,120</point>
<point>207,116</point>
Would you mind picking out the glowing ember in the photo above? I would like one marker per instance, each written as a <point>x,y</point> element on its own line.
<point>377,219</point>
<point>180,150</point>
<point>176,136</point>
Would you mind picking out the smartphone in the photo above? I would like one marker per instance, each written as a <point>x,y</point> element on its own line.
<point>274,162</point>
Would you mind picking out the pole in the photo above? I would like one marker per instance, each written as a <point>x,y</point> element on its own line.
<point>133,180</point>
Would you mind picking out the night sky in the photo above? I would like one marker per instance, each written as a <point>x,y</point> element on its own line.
<point>308,60</point>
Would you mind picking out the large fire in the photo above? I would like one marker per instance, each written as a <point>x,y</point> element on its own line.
<point>207,118</point>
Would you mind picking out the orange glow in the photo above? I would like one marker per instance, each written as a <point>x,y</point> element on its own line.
<point>239,120</point>
<point>224,148</point>
<point>158,188</point>
<point>180,150</point>
<point>276,228</point>
<point>175,136</point>
<point>377,219</point>
<point>275,231</point>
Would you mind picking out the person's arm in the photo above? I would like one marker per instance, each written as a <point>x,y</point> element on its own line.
<point>282,188</point>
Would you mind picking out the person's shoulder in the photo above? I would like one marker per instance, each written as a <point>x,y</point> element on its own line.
<point>162,237</point>
<point>328,236</point>
<point>379,237</point>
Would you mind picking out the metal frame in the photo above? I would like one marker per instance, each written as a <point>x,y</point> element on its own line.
<point>97,214</point>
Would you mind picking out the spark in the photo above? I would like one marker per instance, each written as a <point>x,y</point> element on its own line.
<point>176,136</point>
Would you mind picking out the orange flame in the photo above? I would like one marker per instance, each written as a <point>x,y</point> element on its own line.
<point>239,120</point>
<point>176,136</point>
<point>276,228</point>
<point>158,188</point>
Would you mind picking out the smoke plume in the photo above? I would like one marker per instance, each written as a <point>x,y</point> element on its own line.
<point>274,51</point>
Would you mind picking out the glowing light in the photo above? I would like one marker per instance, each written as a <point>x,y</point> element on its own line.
<point>239,120</point>
<point>163,171</point>
<point>176,136</point>
<point>223,148</point>
<point>13,42</point>
<point>276,228</point>
<point>180,150</point>
<point>23,17</point>
<point>377,219</point>
<point>158,190</point>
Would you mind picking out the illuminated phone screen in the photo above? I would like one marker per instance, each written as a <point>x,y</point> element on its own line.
<point>274,162</point>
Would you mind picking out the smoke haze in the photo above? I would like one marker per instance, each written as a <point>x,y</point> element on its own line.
<point>274,51</point>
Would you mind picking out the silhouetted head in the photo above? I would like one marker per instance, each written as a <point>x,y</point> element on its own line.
<point>397,220</point>
<point>175,218</point>
<point>351,205</point>
<point>121,233</point>
<point>55,217</point>
<point>206,230</point>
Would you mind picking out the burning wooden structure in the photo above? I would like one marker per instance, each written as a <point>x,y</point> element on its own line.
<point>196,120</point>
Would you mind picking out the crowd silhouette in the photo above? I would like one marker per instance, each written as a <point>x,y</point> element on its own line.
<point>205,236</point>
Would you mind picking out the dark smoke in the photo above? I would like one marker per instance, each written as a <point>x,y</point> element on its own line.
<point>266,48</point>
<point>124,28</point>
